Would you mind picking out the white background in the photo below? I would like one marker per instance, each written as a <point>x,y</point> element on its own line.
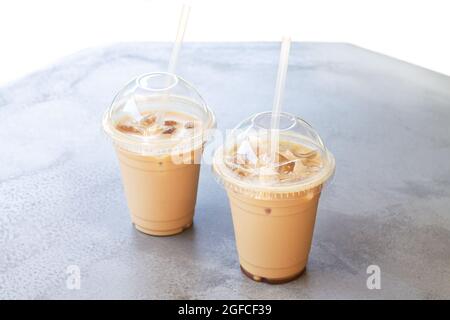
<point>37,33</point>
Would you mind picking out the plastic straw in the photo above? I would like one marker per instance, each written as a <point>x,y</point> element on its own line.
<point>179,39</point>
<point>279,92</point>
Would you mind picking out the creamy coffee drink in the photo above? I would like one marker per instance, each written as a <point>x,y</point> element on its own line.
<point>158,124</point>
<point>161,194</point>
<point>273,195</point>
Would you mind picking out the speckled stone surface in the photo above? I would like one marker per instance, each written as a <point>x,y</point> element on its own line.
<point>62,202</point>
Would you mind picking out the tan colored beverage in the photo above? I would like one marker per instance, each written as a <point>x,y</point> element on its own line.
<point>273,236</point>
<point>273,203</point>
<point>153,183</point>
<point>159,132</point>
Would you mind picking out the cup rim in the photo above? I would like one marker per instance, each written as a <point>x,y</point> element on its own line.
<point>224,177</point>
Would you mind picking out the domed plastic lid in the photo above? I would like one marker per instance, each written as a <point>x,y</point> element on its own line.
<point>158,113</point>
<point>249,162</point>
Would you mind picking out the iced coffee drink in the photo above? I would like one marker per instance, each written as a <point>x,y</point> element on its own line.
<point>159,125</point>
<point>273,196</point>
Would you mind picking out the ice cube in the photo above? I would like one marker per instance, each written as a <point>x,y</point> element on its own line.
<point>267,174</point>
<point>189,125</point>
<point>169,130</point>
<point>170,123</point>
<point>130,127</point>
<point>303,152</point>
<point>288,155</point>
<point>148,120</point>
<point>313,161</point>
<point>299,168</point>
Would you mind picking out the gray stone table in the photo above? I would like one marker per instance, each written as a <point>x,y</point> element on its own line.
<point>62,202</point>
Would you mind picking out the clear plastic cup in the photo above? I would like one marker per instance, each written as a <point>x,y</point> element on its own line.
<point>159,124</point>
<point>273,201</point>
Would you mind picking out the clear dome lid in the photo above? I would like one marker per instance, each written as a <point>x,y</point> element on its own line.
<point>252,162</point>
<point>158,113</point>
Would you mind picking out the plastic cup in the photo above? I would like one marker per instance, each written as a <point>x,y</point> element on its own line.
<point>159,124</point>
<point>273,204</point>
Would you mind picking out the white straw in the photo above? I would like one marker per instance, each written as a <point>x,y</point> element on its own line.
<point>279,92</point>
<point>179,39</point>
